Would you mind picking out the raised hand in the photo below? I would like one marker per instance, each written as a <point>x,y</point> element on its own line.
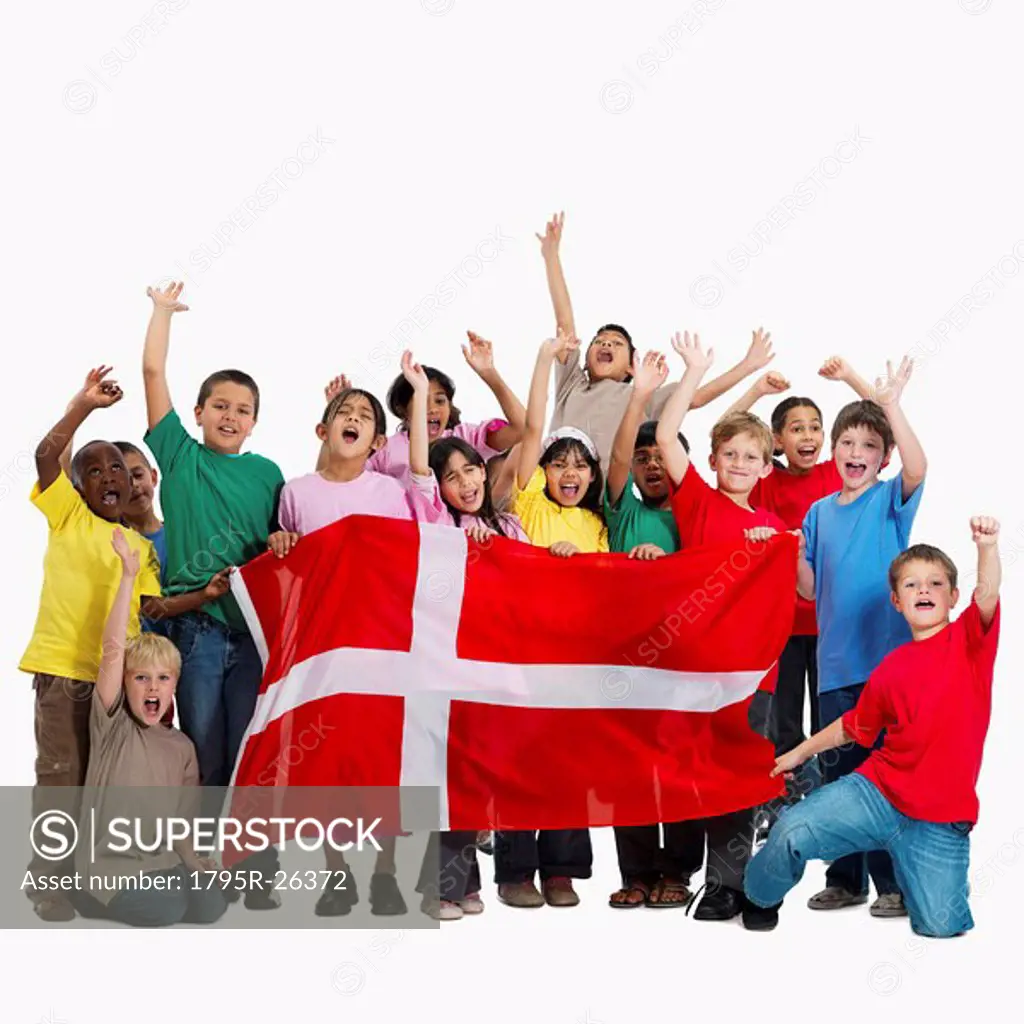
<point>771,383</point>
<point>552,236</point>
<point>129,558</point>
<point>889,389</point>
<point>649,373</point>
<point>760,353</point>
<point>414,373</point>
<point>984,531</point>
<point>335,386</point>
<point>834,368</point>
<point>167,299</point>
<point>479,353</point>
<point>98,392</point>
<point>561,343</point>
<point>691,351</point>
<point>218,586</point>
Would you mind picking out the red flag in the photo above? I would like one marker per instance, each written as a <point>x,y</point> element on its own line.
<point>534,691</point>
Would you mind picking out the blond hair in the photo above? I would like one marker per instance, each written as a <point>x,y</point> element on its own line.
<point>735,423</point>
<point>148,649</point>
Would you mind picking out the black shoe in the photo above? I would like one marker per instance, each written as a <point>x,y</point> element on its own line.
<point>337,902</point>
<point>262,899</point>
<point>759,919</point>
<point>385,897</point>
<point>721,904</point>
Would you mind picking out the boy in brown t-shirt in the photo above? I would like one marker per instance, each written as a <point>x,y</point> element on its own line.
<point>129,747</point>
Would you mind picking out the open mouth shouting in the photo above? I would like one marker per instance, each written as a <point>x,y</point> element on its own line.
<point>570,491</point>
<point>434,426</point>
<point>924,604</point>
<point>604,356</point>
<point>855,470</point>
<point>471,499</point>
<point>807,451</point>
<point>151,709</point>
<point>110,498</point>
<point>350,435</point>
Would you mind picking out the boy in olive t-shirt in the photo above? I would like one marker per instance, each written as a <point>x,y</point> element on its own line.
<point>219,508</point>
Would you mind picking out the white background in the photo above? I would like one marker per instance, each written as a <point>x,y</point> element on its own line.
<point>442,123</point>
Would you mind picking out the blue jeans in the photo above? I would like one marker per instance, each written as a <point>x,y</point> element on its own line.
<point>159,908</point>
<point>220,679</point>
<point>851,873</point>
<point>851,814</point>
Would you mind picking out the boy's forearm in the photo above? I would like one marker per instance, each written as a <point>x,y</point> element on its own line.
<point>536,411</point>
<point>679,404</point>
<point>745,402</point>
<point>158,608</point>
<point>624,442</point>
<point>154,366</point>
<point>115,632</point>
<point>511,408</point>
<point>804,579</point>
<point>718,387</point>
<point>51,448</point>
<point>419,444</point>
<point>860,386</point>
<point>912,455</point>
<point>559,293</point>
<point>990,578</point>
<point>829,738</point>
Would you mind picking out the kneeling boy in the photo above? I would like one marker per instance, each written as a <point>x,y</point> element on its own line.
<point>915,795</point>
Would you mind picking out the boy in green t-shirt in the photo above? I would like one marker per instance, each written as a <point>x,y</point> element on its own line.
<point>219,508</point>
<point>654,874</point>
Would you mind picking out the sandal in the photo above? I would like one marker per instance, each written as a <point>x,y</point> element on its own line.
<point>625,902</point>
<point>669,894</point>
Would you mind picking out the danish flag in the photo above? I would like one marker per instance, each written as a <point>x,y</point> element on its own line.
<point>532,691</point>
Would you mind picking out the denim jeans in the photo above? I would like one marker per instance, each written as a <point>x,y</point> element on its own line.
<point>851,814</point>
<point>159,908</point>
<point>220,679</point>
<point>851,873</point>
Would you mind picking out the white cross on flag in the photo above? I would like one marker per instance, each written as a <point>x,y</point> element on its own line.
<point>534,691</point>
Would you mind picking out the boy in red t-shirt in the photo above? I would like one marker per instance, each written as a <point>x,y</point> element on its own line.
<point>741,452</point>
<point>915,796</point>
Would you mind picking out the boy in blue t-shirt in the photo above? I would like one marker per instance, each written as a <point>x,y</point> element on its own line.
<point>654,873</point>
<point>851,539</point>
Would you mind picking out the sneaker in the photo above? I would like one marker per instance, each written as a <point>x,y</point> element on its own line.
<point>441,910</point>
<point>835,897</point>
<point>520,894</point>
<point>558,892</point>
<point>471,904</point>
<point>888,904</point>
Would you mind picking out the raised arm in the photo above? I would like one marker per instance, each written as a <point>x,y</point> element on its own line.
<point>769,383</point>
<point>480,356</point>
<point>697,362</point>
<point>115,632</point>
<point>888,392</point>
<point>536,407</point>
<point>837,368</point>
<point>758,356</point>
<point>985,534</point>
<point>53,453</point>
<point>550,243</point>
<point>648,375</point>
<point>154,352</point>
<point>416,416</point>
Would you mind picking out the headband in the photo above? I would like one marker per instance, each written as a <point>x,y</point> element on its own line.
<point>576,435</point>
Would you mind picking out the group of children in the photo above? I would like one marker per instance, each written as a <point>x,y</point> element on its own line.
<point>126,597</point>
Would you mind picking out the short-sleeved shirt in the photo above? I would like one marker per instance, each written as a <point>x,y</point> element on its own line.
<point>159,541</point>
<point>933,698</point>
<point>393,458</point>
<point>850,547</point>
<point>430,498</point>
<point>134,771</point>
<point>790,496</point>
<point>597,408</point>
<point>81,576</point>
<point>631,521</point>
<point>704,515</point>
<point>546,522</point>
<point>310,502</point>
<point>218,511</point>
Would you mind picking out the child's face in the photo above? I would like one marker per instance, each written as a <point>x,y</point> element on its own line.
<point>649,474</point>
<point>608,357</point>
<point>103,480</point>
<point>568,478</point>
<point>739,463</point>
<point>227,418</point>
<point>143,479</point>
<point>352,434</point>
<point>439,411</point>
<point>923,595</point>
<point>149,690</point>
<point>859,454</point>
<point>463,484</point>
<point>801,437</point>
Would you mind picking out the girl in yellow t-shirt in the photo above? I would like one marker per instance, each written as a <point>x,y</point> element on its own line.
<point>555,489</point>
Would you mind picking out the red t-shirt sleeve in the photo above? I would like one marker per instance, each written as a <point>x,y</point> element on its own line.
<point>872,714</point>
<point>981,642</point>
<point>688,499</point>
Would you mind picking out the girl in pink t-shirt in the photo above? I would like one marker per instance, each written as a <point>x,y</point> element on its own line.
<point>443,417</point>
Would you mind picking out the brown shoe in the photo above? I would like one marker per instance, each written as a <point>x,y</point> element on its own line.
<point>558,892</point>
<point>834,897</point>
<point>520,894</point>
<point>54,909</point>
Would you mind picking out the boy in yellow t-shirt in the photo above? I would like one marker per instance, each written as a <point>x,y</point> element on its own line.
<point>81,575</point>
